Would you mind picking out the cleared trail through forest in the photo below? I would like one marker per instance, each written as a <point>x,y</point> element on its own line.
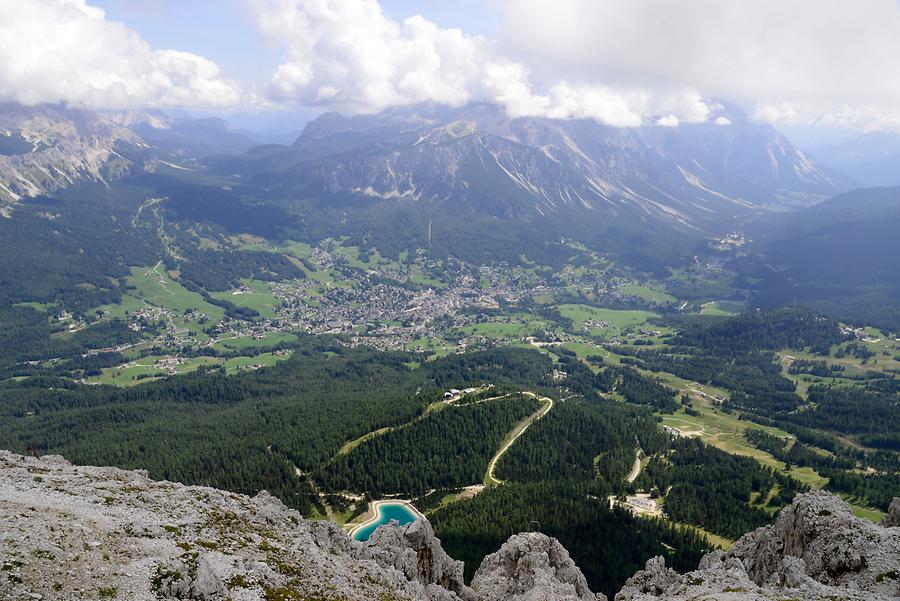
<point>489,478</point>
<point>636,468</point>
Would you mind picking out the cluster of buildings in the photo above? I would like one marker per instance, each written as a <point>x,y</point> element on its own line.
<point>386,309</point>
<point>858,334</point>
<point>390,306</point>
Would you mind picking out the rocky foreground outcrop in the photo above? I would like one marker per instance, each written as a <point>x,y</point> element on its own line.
<point>531,567</point>
<point>70,532</point>
<point>816,549</point>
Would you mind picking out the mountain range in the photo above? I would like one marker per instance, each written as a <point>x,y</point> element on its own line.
<point>45,148</point>
<point>699,178</point>
<point>695,177</point>
<point>445,178</point>
<point>872,159</point>
<point>838,256</point>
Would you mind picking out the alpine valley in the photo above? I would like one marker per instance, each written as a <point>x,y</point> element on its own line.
<point>638,341</point>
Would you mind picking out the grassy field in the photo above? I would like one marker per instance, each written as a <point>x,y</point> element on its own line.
<point>586,349</point>
<point>149,368</point>
<point>301,250</point>
<point>866,513</point>
<point>156,287</point>
<point>648,293</point>
<point>886,352</point>
<point>725,431</point>
<point>714,539</point>
<point>259,298</point>
<point>517,325</point>
<point>128,376</point>
<point>619,321</point>
<point>244,342</point>
<point>435,347</point>
<point>702,283</point>
<point>152,286</point>
<point>237,364</point>
<point>42,307</point>
<point>146,369</point>
<point>721,308</point>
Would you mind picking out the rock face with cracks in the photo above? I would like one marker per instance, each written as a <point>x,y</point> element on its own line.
<point>417,554</point>
<point>815,549</point>
<point>531,567</point>
<point>71,532</point>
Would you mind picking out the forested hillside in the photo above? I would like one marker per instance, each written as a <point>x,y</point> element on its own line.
<point>448,448</point>
<point>247,432</point>
<point>604,542</point>
<point>582,439</point>
<point>838,257</point>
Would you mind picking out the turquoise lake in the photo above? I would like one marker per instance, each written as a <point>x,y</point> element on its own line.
<point>386,513</point>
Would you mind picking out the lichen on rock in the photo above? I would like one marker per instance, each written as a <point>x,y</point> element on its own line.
<point>70,532</point>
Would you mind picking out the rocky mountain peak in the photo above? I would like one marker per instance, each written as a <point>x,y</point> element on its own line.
<point>414,550</point>
<point>75,532</point>
<point>697,177</point>
<point>62,146</point>
<point>892,519</point>
<point>531,567</point>
<point>815,549</point>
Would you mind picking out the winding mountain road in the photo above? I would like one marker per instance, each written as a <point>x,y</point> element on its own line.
<point>636,468</point>
<point>489,478</point>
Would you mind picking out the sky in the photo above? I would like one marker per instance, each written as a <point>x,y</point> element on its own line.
<point>201,26</point>
<point>814,67</point>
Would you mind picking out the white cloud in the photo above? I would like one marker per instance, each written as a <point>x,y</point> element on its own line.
<point>722,120</point>
<point>668,121</point>
<point>622,62</point>
<point>798,61</point>
<point>349,55</point>
<point>67,51</point>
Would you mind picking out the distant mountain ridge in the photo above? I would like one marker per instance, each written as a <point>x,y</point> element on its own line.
<point>698,178</point>
<point>57,146</point>
<point>196,138</point>
<point>45,148</point>
<point>872,159</point>
<point>695,177</point>
<point>839,256</point>
<point>844,242</point>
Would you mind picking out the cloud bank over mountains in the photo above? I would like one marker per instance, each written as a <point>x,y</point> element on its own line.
<point>348,54</point>
<point>621,62</point>
<point>797,61</point>
<point>67,51</point>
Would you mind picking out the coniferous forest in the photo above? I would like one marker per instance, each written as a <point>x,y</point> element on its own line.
<point>607,544</point>
<point>449,448</point>
<point>501,279</point>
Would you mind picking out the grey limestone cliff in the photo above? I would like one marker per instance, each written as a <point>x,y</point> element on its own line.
<point>815,549</point>
<point>531,567</point>
<point>73,532</point>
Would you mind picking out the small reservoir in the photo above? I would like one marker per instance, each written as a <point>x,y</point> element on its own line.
<point>384,513</point>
